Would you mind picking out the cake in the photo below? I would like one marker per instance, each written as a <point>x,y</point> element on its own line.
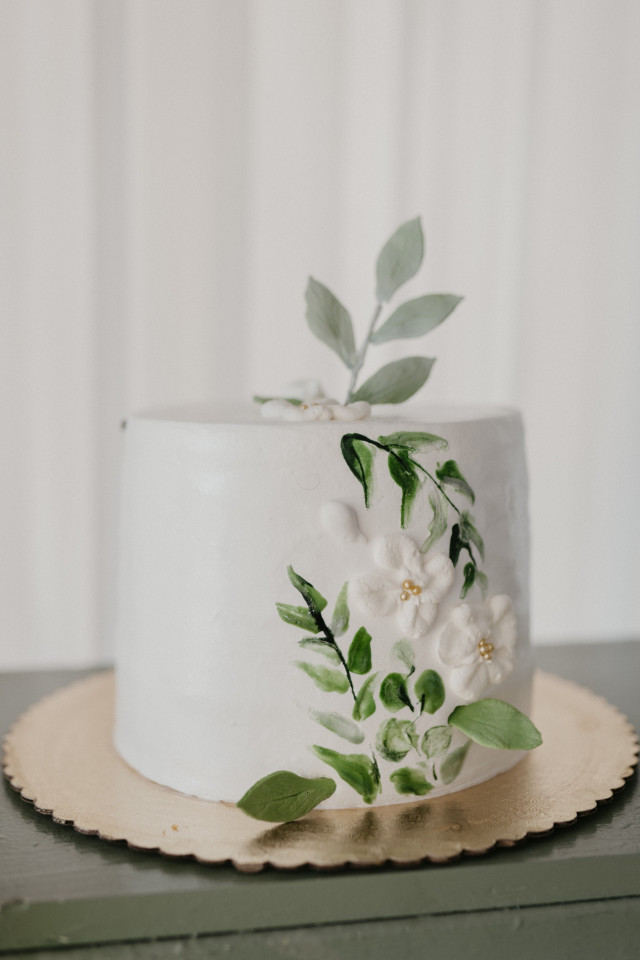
<point>320,605</point>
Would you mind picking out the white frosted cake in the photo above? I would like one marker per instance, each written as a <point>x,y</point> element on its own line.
<point>340,602</point>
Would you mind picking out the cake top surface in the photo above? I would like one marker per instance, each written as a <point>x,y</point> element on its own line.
<point>244,413</point>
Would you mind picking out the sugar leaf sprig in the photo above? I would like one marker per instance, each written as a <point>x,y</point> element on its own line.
<point>330,321</point>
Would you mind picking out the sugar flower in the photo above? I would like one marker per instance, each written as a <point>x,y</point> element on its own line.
<point>407,585</point>
<point>321,409</point>
<point>478,641</point>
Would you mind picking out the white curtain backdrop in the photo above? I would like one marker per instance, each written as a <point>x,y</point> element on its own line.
<point>172,170</point>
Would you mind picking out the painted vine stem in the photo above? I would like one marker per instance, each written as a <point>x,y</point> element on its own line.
<point>357,451</point>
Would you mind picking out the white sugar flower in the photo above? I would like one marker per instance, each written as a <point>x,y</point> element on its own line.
<point>408,584</point>
<point>478,641</point>
<point>320,409</point>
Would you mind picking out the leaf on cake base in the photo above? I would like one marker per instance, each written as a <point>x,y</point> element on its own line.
<point>284,796</point>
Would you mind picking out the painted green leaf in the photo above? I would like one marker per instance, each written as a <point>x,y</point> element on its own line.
<point>394,694</point>
<point>358,456</point>
<point>330,321</point>
<point>416,317</point>
<point>410,780</point>
<point>293,400</point>
<point>331,681</point>
<point>468,532</point>
<point>340,618</point>
<point>395,382</point>
<point>403,471</point>
<point>436,741</point>
<point>438,525</point>
<point>296,616</point>
<point>341,726</point>
<point>315,601</point>
<point>469,578</point>
<point>399,259</point>
<point>451,766</point>
<point>320,646</point>
<point>494,723</point>
<point>356,769</point>
<point>365,703</point>
<point>284,796</point>
<point>449,474</point>
<point>359,656</point>
<point>413,440</point>
<point>481,578</point>
<point>456,543</point>
<point>403,650</point>
<point>392,740</point>
<point>429,689</point>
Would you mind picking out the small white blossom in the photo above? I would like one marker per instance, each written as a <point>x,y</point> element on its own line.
<point>322,409</point>
<point>478,641</point>
<point>407,585</point>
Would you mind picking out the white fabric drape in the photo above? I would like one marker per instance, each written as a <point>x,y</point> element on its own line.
<point>172,170</point>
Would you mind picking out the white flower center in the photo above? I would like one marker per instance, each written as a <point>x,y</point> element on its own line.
<point>485,649</point>
<point>409,590</point>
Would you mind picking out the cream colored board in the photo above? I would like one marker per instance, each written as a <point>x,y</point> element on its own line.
<point>59,756</point>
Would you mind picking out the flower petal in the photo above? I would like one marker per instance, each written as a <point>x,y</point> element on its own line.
<point>352,411</point>
<point>457,645</point>
<point>375,594</point>
<point>415,618</point>
<point>398,554</point>
<point>470,680</point>
<point>505,628</point>
<point>437,576</point>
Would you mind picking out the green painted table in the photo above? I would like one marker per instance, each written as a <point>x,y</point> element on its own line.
<point>575,893</point>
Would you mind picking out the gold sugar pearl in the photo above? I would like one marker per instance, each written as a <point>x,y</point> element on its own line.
<point>416,590</point>
<point>304,406</point>
<point>485,649</point>
<point>407,584</point>
<point>405,595</point>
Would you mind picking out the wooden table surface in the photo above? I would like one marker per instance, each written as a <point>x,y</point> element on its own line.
<point>575,893</point>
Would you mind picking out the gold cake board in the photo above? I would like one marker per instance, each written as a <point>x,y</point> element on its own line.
<point>59,756</point>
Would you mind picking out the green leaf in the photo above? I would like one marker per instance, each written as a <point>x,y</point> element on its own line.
<point>403,472</point>
<point>469,533</point>
<point>416,317</point>
<point>296,616</point>
<point>330,321</point>
<point>284,796</point>
<point>413,440</point>
<point>359,657</point>
<point>314,600</point>
<point>292,400</point>
<point>403,650</point>
<point>481,578</point>
<point>341,726</point>
<point>365,703</point>
<point>395,382</point>
<point>356,769</point>
<point>452,764</point>
<point>410,780</point>
<point>456,543</point>
<point>438,525</point>
<point>399,259</point>
<point>494,723</point>
<point>449,474</point>
<point>394,694</point>
<point>392,740</point>
<point>340,618</point>
<point>359,458</point>
<point>436,741</point>
<point>331,681</point>
<point>429,690</point>
<point>318,645</point>
<point>469,578</point>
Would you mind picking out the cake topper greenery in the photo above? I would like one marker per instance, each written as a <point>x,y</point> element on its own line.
<point>330,321</point>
